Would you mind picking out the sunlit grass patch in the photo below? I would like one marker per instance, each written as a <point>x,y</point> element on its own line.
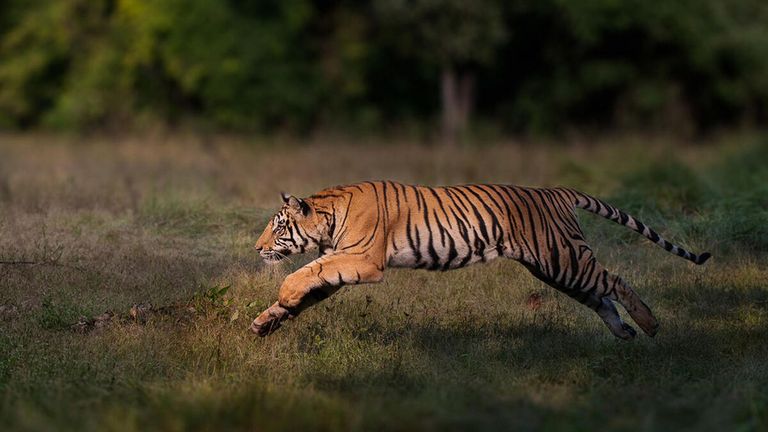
<point>175,213</point>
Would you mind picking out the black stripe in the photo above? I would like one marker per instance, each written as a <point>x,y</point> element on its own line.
<point>478,216</point>
<point>495,225</point>
<point>522,238</point>
<point>435,264</point>
<point>416,252</point>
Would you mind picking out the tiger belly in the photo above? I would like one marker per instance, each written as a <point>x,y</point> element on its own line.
<point>438,257</point>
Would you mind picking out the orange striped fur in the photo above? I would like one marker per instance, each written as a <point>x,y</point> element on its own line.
<point>362,229</point>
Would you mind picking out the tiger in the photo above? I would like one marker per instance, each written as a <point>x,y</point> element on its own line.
<point>362,229</point>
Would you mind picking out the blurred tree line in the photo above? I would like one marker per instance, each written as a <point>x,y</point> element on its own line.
<point>520,65</point>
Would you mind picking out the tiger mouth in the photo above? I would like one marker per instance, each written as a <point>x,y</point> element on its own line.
<point>273,256</point>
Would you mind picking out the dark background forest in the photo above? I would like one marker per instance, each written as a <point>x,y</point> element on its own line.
<point>519,66</point>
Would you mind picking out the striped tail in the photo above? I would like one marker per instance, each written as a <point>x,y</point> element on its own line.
<point>594,205</point>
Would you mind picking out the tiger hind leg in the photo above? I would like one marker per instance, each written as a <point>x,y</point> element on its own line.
<point>610,316</point>
<point>615,288</point>
<point>602,306</point>
<point>606,286</point>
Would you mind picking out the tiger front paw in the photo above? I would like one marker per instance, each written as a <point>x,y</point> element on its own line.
<point>270,320</point>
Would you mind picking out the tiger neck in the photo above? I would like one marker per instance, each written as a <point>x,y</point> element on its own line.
<point>330,208</point>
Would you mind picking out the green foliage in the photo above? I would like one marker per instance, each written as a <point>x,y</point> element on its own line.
<point>636,63</point>
<point>212,295</point>
<point>36,54</point>
<point>457,32</point>
<point>298,64</point>
<point>244,66</point>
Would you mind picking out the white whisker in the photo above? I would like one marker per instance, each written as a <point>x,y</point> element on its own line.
<point>284,257</point>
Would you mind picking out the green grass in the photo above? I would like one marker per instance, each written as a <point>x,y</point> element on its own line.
<point>112,225</point>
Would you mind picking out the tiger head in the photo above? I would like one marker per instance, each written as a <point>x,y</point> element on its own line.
<point>296,228</point>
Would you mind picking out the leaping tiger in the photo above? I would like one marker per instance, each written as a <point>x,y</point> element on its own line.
<point>362,229</point>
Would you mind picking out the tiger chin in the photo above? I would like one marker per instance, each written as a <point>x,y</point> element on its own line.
<point>362,229</point>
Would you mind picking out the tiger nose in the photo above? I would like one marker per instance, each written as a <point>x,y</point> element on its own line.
<point>258,248</point>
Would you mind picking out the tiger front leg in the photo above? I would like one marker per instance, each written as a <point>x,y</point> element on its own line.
<point>312,284</point>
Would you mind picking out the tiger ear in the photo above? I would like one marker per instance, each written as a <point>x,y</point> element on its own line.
<point>296,204</point>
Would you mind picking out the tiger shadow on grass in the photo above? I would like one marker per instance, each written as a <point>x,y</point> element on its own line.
<point>460,381</point>
<point>543,350</point>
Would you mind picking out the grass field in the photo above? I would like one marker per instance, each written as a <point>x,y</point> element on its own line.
<point>128,281</point>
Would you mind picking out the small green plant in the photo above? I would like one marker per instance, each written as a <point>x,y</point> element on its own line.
<point>212,295</point>
<point>58,315</point>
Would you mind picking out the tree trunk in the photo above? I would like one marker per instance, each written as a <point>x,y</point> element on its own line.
<point>466,100</point>
<point>449,92</point>
<point>457,91</point>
